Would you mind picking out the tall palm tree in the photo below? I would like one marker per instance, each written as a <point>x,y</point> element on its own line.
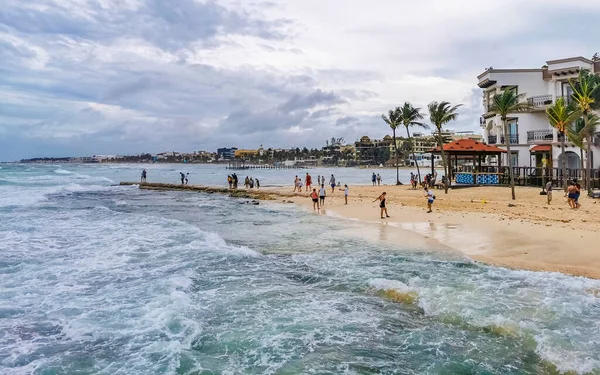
<point>410,116</point>
<point>393,120</point>
<point>561,116</point>
<point>584,90</point>
<point>440,114</point>
<point>503,104</point>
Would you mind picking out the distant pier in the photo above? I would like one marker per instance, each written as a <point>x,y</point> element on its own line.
<point>241,165</point>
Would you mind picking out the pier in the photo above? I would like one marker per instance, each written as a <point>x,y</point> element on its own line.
<point>241,165</point>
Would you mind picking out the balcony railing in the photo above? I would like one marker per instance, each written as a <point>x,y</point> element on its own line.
<point>512,138</point>
<point>540,136</point>
<point>492,139</point>
<point>539,101</point>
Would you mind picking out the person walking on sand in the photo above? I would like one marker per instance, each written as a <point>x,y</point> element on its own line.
<point>381,199</point>
<point>308,181</point>
<point>186,177</point>
<point>332,183</point>
<point>430,198</point>
<point>577,194</point>
<point>322,194</point>
<point>315,199</point>
<point>143,179</point>
<point>374,178</point>
<point>549,191</point>
<point>182,177</point>
<point>571,194</point>
<point>378,179</point>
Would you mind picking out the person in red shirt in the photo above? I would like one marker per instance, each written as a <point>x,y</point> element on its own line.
<point>315,199</point>
<point>308,181</point>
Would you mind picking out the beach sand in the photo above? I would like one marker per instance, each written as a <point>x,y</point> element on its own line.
<point>528,234</point>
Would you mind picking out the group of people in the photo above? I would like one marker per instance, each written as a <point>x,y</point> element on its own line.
<point>319,198</point>
<point>298,184</point>
<point>376,178</point>
<point>232,180</point>
<point>572,193</point>
<point>184,177</point>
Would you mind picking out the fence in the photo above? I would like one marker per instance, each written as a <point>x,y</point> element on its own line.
<point>532,176</point>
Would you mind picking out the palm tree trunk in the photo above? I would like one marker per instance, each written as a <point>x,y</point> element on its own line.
<point>441,142</point>
<point>396,151</point>
<point>588,151</point>
<point>412,149</point>
<point>564,160</point>
<point>510,166</point>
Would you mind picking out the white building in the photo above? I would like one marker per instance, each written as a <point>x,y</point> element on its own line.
<point>531,137</point>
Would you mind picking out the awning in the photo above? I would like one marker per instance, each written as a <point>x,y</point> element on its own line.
<point>540,148</point>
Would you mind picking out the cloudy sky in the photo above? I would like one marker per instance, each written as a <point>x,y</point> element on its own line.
<point>84,77</point>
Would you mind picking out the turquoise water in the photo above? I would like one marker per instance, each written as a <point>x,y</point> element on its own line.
<point>96,279</point>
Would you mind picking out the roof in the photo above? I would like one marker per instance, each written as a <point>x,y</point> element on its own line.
<point>469,146</point>
<point>541,148</point>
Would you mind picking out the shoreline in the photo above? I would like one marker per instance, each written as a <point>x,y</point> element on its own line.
<point>483,224</point>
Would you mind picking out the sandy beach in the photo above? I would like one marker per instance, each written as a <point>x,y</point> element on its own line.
<point>484,224</point>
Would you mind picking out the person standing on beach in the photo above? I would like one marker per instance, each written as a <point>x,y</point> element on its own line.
<point>295,183</point>
<point>577,194</point>
<point>308,181</point>
<point>381,199</point>
<point>332,183</point>
<point>378,179</point>
<point>186,177</point>
<point>322,194</point>
<point>346,191</point>
<point>549,191</point>
<point>143,176</point>
<point>246,182</point>
<point>430,198</point>
<point>234,177</point>
<point>182,177</point>
<point>257,184</point>
<point>315,199</point>
<point>374,178</point>
<point>571,195</point>
<point>230,181</point>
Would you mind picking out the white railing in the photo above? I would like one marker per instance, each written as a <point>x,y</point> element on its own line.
<point>539,100</point>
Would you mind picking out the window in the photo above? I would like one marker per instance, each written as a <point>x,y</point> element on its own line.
<point>513,127</point>
<point>514,156</point>
<point>566,91</point>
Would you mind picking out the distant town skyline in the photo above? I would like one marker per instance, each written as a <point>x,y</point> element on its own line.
<point>132,77</point>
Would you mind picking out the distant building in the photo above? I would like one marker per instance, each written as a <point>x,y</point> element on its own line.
<point>244,154</point>
<point>226,153</point>
<point>374,151</point>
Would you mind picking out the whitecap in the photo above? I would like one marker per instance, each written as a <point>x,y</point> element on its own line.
<point>62,171</point>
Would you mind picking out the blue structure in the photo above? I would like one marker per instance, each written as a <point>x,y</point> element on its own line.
<point>226,153</point>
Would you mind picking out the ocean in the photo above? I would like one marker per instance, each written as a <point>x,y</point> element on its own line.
<point>101,279</point>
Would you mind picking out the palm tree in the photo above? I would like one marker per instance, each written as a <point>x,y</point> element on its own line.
<point>410,116</point>
<point>561,115</point>
<point>577,137</point>
<point>584,90</point>
<point>503,104</point>
<point>393,121</point>
<point>440,114</point>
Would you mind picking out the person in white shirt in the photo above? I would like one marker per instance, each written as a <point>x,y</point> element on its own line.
<point>346,191</point>
<point>322,194</point>
<point>430,198</point>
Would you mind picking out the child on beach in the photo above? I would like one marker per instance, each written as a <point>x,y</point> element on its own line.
<point>315,199</point>
<point>346,191</point>
<point>381,199</point>
<point>430,198</point>
<point>549,191</point>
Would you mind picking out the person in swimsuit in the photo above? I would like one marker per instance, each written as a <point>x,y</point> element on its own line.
<point>182,177</point>
<point>381,199</point>
<point>143,176</point>
<point>322,194</point>
<point>378,179</point>
<point>315,199</point>
<point>577,194</point>
<point>186,178</point>
<point>374,179</point>
<point>430,198</point>
<point>571,195</point>
<point>332,183</point>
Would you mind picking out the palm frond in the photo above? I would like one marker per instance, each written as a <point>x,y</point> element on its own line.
<point>509,102</point>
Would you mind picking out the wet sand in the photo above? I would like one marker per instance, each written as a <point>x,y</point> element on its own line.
<point>528,234</point>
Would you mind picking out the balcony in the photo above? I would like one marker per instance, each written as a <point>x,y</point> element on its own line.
<point>492,139</point>
<point>539,102</point>
<point>540,136</point>
<point>512,138</point>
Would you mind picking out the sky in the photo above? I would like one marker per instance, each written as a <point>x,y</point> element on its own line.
<point>105,77</point>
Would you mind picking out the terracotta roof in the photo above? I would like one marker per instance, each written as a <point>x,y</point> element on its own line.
<point>541,148</point>
<point>469,146</point>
